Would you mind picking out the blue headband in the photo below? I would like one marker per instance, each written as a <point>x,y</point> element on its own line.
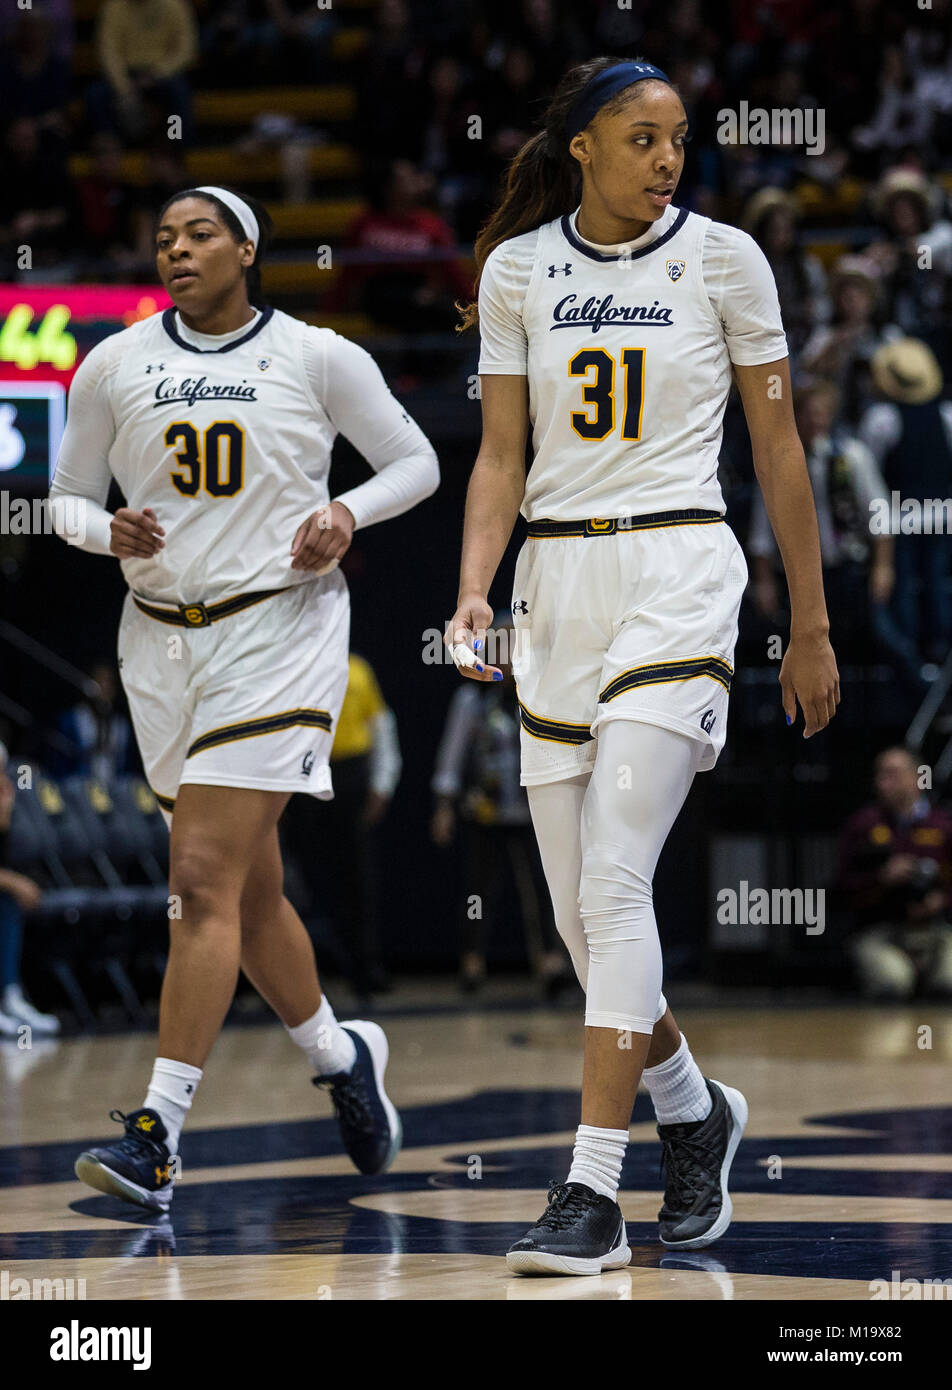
<point>603,87</point>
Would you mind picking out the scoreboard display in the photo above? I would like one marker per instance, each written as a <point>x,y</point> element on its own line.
<point>45,332</point>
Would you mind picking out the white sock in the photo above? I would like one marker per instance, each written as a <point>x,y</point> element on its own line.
<point>171,1092</point>
<point>597,1158</point>
<point>678,1089</point>
<point>328,1048</point>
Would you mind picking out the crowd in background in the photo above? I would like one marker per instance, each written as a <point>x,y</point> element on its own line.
<point>868,332</point>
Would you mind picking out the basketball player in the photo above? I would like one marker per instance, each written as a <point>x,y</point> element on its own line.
<point>610,321</point>
<point>216,418</point>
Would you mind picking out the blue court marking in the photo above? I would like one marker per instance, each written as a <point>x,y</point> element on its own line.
<point>284,1215</point>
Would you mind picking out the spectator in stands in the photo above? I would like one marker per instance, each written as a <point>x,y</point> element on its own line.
<point>915,257</point>
<point>108,209</point>
<point>18,895</point>
<point>405,283</point>
<point>99,730</point>
<point>858,575</point>
<point>771,217</point>
<point>842,351</point>
<point>57,13</point>
<point>41,201</point>
<point>232,43</point>
<point>895,872</point>
<point>390,81</point>
<point>910,435</point>
<point>461,163</point>
<point>145,47</point>
<point>333,841</point>
<point>301,32</point>
<point>34,79</point>
<point>510,104</point>
<point>476,781</point>
<point>904,115</point>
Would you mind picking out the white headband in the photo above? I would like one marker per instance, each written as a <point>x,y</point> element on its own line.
<point>249,223</point>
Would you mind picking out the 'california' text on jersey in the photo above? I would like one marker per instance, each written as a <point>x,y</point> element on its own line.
<point>628,370</point>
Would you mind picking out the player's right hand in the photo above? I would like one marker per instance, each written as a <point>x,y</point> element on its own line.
<point>135,535</point>
<point>465,637</point>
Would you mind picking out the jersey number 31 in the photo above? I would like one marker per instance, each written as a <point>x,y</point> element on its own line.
<point>600,392</point>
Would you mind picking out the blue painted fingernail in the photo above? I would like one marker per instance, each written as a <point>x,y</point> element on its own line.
<point>480,668</point>
<point>788,719</point>
<point>477,644</point>
<point>497,675</point>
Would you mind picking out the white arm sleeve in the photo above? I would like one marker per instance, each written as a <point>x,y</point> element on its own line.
<point>503,345</point>
<point>81,476</point>
<point>350,386</point>
<point>743,295</point>
<point>386,762</point>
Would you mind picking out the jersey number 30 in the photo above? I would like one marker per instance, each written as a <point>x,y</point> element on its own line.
<point>600,393</point>
<point>215,460</point>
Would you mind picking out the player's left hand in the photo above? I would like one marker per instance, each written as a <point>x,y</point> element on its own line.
<point>808,676</point>
<point>320,541</point>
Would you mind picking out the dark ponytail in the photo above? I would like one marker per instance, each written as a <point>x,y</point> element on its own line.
<point>544,180</point>
<point>265,232</point>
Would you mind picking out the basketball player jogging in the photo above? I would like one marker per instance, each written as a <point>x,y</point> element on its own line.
<point>611,321</point>
<point>217,418</point>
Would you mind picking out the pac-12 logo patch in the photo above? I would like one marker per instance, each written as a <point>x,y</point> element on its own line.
<point>707,720</point>
<point>675,269</point>
<point>264,363</point>
<point>307,763</point>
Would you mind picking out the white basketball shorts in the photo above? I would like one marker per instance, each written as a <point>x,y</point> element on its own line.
<point>250,700</point>
<point>638,624</point>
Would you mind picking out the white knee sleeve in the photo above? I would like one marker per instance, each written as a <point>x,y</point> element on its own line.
<point>556,810</point>
<point>642,775</point>
<point>617,911</point>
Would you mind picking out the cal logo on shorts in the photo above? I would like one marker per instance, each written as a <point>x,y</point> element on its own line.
<point>675,269</point>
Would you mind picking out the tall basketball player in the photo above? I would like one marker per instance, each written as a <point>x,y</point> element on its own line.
<point>217,419</point>
<point>610,321</point>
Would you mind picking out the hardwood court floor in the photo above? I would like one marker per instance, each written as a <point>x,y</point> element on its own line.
<point>845,1174</point>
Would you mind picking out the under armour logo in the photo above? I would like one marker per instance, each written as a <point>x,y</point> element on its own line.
<point>555,270</point>
<point>519,605</point>
<point>707,720</point>
<point>189,1089</point>
<point>155,367</point>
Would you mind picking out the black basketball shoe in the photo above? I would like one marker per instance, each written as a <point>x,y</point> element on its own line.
<point>136,1168</point>
<point>369,1125</point>
<point>696,1161</point>
<point>580,1232</point>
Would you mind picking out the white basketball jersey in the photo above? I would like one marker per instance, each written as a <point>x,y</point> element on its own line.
<point>229,447</point>
<point>628,371</point>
